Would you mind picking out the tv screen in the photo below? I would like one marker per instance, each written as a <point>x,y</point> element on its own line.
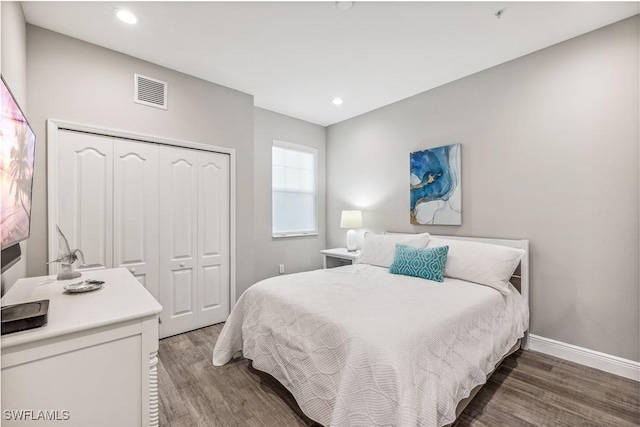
<point>17,150</point>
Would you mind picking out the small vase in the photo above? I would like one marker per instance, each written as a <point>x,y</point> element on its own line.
<point>67,272</point>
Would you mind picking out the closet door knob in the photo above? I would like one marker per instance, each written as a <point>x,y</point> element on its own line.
<point>182,264</point>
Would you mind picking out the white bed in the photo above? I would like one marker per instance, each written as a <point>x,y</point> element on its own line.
<point>358,346</point>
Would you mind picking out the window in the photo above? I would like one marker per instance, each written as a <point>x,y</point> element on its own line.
<point>294,189</point>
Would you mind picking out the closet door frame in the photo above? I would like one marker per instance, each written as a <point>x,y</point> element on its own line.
<point>54,126</point>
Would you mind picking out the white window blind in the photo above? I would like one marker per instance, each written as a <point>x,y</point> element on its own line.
<point>294,185</point>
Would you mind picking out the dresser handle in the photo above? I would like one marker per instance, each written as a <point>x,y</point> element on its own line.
<point>132,270</point>
<point>182,264</point>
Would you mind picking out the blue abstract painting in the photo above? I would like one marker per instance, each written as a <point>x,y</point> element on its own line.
<point>436,190</point>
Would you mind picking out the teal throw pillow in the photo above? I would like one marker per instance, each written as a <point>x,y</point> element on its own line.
<point>427,263</point>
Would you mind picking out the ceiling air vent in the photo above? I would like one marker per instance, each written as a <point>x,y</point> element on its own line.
<point>149,91</point>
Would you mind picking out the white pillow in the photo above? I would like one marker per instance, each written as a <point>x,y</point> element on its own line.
<point>490,265</point>
<point>379,249</point>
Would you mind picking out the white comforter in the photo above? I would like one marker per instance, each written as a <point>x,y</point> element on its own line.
<point>357,346</point>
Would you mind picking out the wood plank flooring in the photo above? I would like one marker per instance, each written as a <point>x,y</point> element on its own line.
<point>529,389</point>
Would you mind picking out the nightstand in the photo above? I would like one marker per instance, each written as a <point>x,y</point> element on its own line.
<point>338,257</point>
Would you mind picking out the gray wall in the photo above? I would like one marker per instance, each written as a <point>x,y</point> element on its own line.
<point>296,253</point>
<point>13,66</point>
<point>76,81</point>
<point>549,153</point>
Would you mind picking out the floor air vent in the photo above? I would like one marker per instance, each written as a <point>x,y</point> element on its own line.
<point>149,91</point>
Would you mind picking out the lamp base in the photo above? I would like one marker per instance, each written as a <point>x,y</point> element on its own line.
<point>352,240</point>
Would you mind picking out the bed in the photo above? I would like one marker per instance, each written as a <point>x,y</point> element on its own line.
<point>359,346</point>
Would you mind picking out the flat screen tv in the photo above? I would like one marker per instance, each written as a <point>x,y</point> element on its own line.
<point>17,151</point>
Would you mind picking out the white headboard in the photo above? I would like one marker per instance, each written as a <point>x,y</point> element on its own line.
<point>523,267</point>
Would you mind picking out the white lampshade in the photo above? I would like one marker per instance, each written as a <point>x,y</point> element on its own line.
<point>351,219</point>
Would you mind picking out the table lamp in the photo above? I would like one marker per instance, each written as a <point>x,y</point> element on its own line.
<point>351,220</point>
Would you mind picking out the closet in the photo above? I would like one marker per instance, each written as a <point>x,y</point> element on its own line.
<point>161,211</point>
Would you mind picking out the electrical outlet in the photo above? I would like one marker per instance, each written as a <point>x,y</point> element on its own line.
<point>281,268</point>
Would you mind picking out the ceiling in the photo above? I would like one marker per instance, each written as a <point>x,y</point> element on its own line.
<point>295,57</point>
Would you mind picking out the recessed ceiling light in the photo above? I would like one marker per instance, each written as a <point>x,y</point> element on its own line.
<point>126,16</point>
<point>337,101</point>
<point>344,5</point>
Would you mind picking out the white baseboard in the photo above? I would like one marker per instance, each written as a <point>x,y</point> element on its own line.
<point>594,359</point>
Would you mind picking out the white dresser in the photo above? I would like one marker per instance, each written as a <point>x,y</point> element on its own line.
<point>93,364</point>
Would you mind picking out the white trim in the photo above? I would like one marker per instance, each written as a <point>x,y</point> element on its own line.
<point>294,234</point>
<point>594,359</point>
<point>52,191</point>
<point>54,126</point>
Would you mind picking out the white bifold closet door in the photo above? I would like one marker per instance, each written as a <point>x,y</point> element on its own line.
<point>135,207</point>
<point>213,238</point>
<point>194,242</point>
<point>85,195</point>
<point>178,240</point>
<point>108,202</point>
<point>162,212</point>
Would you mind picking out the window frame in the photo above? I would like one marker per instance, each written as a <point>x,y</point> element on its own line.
<point>304,149</point>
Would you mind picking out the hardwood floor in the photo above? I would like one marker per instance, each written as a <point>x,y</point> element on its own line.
<point>529,389</point>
